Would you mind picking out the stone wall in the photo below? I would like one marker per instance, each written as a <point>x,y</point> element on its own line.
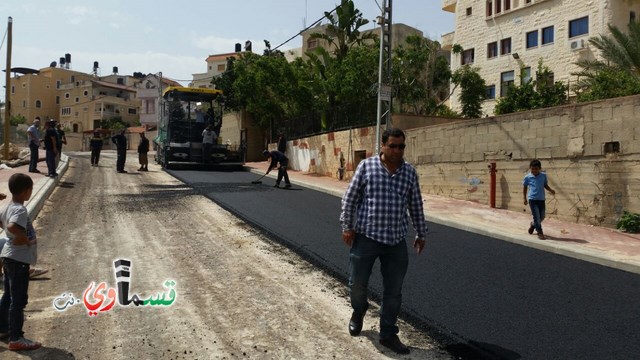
<point>591,153</point>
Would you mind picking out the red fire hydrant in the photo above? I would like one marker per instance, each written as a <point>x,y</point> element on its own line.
<point>492,187</point>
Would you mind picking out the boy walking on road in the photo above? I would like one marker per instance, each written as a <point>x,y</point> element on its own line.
<point>534,184</point>
<point>376,207</point>
<point>18,253</point>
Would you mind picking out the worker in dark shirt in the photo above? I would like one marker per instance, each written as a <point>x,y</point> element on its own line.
<point>50,145</point>
<point>143,149</point>
<point>276,157</point>
<point>95,144</point>
<point>121,146</point>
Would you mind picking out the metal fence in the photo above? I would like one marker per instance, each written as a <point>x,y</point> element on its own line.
<point>336,119</point>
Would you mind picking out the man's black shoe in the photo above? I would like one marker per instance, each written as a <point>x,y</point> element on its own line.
<point>394,343</point>
<point>355,324</point>
<point>122,171</point>
<point>35,171</point>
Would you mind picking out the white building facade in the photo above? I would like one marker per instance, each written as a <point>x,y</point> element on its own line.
<point>506,39</point>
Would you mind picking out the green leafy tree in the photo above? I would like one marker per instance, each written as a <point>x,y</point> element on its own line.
<point>618,73</point>
<point>472,90</point>
<point>420,75</point>
<point>115,123</point>
<point>534,94</point>
<point>16,120</point>
<point>225,83</point>
<point>266,86</point>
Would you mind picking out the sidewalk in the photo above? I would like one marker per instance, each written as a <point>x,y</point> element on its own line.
<point>595,244</point>
<point>43,186</point>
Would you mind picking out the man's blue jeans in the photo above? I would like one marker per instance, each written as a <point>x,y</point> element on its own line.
<point>537,210</point>
<point>33,161</point>
<point>51,162</point>
<point>394,261</point>
<point>15,297</point>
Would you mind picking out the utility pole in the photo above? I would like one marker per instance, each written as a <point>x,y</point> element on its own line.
<point>7,92</point>
<point>384,71</point>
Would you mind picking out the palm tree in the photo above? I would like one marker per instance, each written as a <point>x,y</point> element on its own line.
<point>343,30</point>
<point>620,54</point>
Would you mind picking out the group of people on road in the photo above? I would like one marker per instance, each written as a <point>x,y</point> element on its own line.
<point>121,150</point>
<point>54,138</point>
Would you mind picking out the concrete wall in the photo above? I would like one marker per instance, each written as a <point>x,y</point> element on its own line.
<point>571,141</point>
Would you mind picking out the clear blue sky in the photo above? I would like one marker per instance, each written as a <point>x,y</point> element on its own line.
<point>175,37</point>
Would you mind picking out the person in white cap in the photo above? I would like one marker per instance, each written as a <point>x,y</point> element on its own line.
<point>34,144</point>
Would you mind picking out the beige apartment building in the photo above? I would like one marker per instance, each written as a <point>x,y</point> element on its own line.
<point>87,104</point>
<point>506,39</point>
<point>216,65</point>
<point>36,92</point>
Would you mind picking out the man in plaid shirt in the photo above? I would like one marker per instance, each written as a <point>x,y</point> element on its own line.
<point>374,224</point>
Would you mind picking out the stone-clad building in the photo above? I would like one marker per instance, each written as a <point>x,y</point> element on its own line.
<point>505,39</point>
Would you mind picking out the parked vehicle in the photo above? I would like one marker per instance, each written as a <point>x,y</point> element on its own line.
<point>185,114</point>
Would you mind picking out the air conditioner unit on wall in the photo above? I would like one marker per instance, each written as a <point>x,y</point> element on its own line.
<point>577,44</point>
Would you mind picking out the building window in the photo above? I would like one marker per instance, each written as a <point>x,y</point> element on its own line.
<point>498,6</point>
<point>75,128</point>
<point>24,103</point>
<point>491,92</point>
<point>507,5</point>
<point>58,83</point>
<point>73,78</point>
<point>469,11</point>
<point>77,99</point>
<point>632,16</point>
<point>312,44</point>
<point>38,104</point>
<point>24,85</point>
<point>66,95</point>
<point>506,82</point>
<point>221,67</point>
<point>489,8</point>
<point>468,56</point>
<point>546,80</point>
<point>120,81</point>
<point>13,89</point>
<point>525,76</point>
<point>579,27</point>
<point>532,39</point>
<point>492,50</point>
<point>85,93</point>
<point>505,46</point>
<point>57,99</point>
<point>527,2</point>
<point>132,111</point>
<point>210,67</point>
<point>65,111</point>
<point>547,35</point>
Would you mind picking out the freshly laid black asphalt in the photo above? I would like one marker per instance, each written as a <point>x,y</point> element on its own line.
<point>509,301</point>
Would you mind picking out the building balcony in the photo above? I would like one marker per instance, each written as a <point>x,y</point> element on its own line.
<point>449,5</point>
<point>446,41</point>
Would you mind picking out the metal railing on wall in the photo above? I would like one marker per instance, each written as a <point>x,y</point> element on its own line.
<point>336,119</point>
